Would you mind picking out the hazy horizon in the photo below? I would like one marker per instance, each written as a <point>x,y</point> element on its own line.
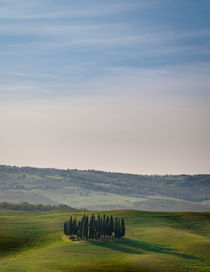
<point>119,86</point>
<point>103,170</point>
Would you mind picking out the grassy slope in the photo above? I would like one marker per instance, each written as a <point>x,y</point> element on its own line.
<point>154,242</point>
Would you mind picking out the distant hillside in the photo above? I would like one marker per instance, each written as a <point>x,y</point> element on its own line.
<point>104,190</point>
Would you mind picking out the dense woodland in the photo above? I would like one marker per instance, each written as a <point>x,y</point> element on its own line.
<point>104,227</point>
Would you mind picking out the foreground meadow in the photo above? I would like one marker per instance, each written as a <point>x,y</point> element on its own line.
<point>154,241</point>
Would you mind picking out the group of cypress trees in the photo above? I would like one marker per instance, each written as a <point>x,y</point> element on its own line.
<point>95,227</point>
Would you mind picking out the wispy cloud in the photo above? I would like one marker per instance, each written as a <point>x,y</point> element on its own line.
<point>59,48</point>
<point>179,84</point>
<point>38,10</point>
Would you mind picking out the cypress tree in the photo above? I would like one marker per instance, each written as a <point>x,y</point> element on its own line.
<point>122,227</point>
<point>65,228</point>
<point>76,226</point>
<point>107,231</point>
<point>79,229</point>
<point>90,227</point>
<point>104,226</point>
<point>86,227</point>
<point>116,228</point>
<point>111,225</point>
<point>99,226</point>
<point>96,227</point>
<point>70,226</point>
<point>83,227</point>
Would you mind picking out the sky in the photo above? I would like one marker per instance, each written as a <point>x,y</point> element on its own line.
<point>113,85</point>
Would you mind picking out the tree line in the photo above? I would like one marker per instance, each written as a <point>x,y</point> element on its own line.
<point>95,227</point>
<point>24,206</point>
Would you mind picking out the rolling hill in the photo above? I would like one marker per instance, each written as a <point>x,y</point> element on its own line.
<point>154,241</point>
<point>100,190</point>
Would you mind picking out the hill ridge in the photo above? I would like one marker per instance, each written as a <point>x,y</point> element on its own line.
<point>94,189</point>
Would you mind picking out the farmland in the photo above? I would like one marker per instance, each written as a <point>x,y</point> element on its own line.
<point>154,241</point>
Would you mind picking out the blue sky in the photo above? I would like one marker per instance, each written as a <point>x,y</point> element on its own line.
<point>69,42</point>
<point>154,53</point>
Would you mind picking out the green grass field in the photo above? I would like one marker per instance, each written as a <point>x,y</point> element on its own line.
<point>154,241</point>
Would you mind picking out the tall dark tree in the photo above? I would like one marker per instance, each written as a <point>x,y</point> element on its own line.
<point>70,226</point>
<point>104,226</point>
<point>83,227</point>
<point>99,226</point>
<point>86,227</point>
<point>117,228</point>
<point>79,233</point>
<point>95,227</point>
<point>65,228</point>
<point>91,227</point>
<point>111,225</point>
<point>122,228</point>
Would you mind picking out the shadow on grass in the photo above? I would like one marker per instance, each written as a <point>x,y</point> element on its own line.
<point>126,245</point>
